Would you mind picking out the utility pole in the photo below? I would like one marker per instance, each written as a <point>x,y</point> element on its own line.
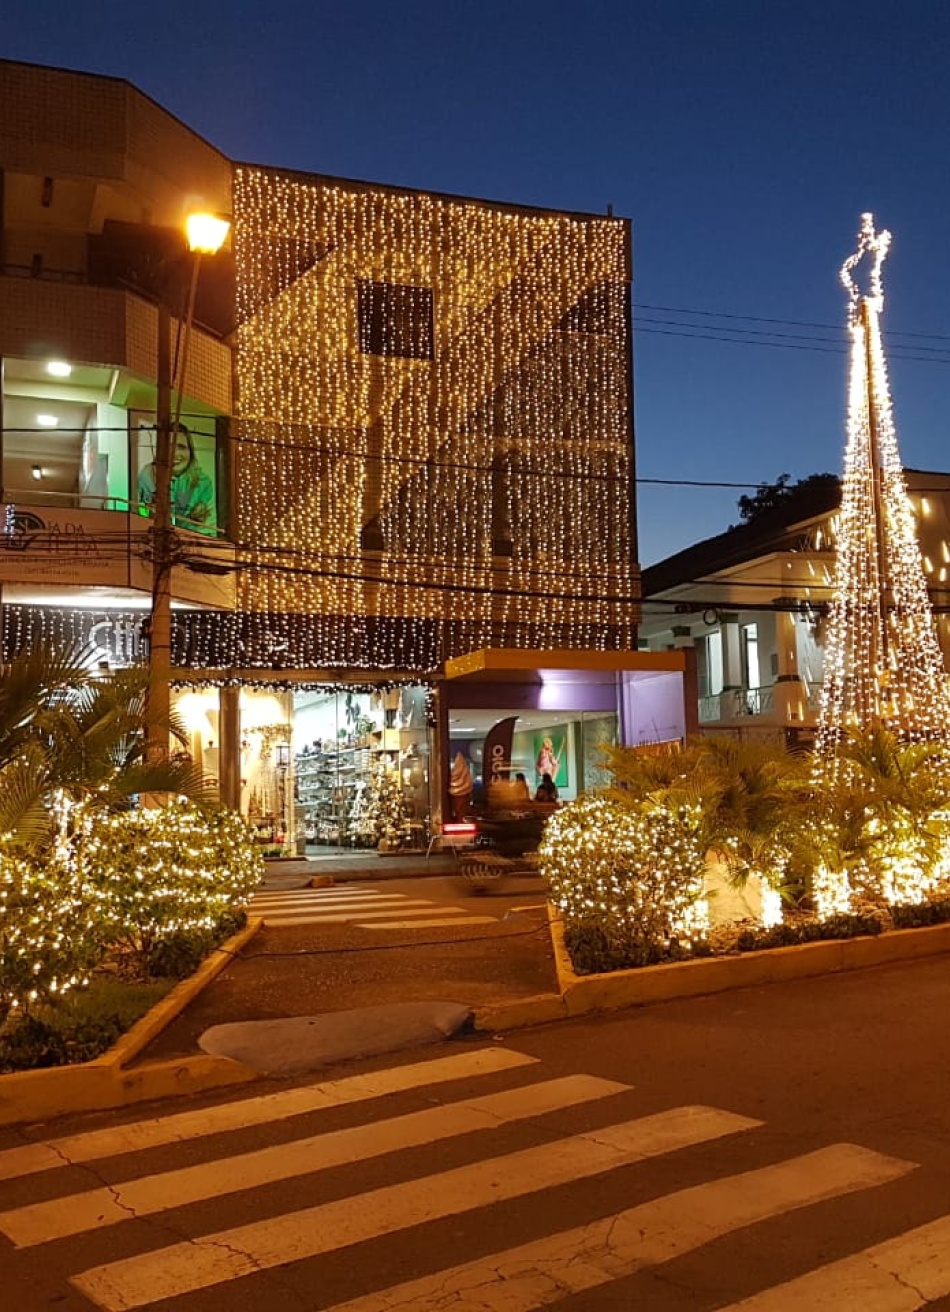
<point>162,534</point>
<point>206,234</point>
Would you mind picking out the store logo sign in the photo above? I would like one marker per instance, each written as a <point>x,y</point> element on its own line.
<point>20,528</point>
<point>24,530</point>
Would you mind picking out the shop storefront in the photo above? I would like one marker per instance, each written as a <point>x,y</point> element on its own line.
<point>361,769</point>
<point>517,722</point>
<point>324,768</point>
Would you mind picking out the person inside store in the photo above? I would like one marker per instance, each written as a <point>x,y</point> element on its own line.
<point>520,790</point>
<point>547,790</point>
<point>192,493</point>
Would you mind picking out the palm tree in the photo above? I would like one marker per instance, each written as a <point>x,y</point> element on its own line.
<point>745,796</point>
<point>889,805</point>
<point>750,799</point>
<point>71,731</point>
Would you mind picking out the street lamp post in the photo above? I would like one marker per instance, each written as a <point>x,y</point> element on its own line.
<point>206,235</point>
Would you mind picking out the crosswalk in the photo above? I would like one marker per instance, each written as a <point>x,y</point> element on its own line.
<point>367,907</point>
<point>469,1133</point>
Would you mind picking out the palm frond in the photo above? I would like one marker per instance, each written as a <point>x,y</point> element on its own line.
<point>24,802</point>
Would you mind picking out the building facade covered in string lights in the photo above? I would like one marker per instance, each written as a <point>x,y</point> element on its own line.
<point>406,443</point>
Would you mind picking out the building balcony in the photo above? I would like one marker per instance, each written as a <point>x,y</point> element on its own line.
<point>67,318</point>
<point>74,549</point>
<point>769,706</point>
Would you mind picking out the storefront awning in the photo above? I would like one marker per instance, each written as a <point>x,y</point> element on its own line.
<point>518,665</point>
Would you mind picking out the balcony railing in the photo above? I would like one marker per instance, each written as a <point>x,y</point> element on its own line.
<point>740,704</point>
<point>736,703</point>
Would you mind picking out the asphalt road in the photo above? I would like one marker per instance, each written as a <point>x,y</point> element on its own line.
<point>776,1149</point>
<point>368,943</point>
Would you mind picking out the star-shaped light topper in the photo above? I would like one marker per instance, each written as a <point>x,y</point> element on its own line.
<point>875,244</point>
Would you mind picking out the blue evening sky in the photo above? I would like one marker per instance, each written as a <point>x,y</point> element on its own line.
<point>743,138</point>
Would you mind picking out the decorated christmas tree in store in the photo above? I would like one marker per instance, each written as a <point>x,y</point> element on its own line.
<point>386,812</point>
<point>361,824</point>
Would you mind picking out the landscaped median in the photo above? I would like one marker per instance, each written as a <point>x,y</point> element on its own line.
<point>110,1080</point>
<point>579,995</point>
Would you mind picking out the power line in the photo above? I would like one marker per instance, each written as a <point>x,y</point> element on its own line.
<point>716,336</point>
<point>790,323</point>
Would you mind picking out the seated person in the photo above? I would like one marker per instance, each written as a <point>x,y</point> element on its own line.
<point>547,790</point>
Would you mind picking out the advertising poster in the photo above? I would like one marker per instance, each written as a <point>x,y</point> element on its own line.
<point>550,756</point>
<point>194,491</point>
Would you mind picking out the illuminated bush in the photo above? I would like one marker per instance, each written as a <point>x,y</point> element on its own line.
<point>154,874</point>
<point>50,937</point>
<point>132,883</point>
<point>881,831</point>
<point>629,873</point>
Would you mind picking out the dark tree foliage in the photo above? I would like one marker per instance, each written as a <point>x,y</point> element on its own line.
<point>769,497</point>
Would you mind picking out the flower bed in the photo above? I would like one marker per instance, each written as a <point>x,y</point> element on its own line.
<point>640,872</point>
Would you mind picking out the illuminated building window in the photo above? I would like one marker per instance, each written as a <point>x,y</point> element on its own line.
<point>599,312</point>
<point>396,320</point>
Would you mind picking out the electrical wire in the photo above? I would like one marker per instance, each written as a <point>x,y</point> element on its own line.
<point>788,323</point>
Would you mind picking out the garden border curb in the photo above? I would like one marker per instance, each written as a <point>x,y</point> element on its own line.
<point>108,1082</point>
<point>581,994</point>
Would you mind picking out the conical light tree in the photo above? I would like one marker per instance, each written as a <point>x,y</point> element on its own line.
<point>883,664</point>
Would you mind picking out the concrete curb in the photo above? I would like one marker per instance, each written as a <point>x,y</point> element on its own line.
<point>581,994</point>
<point>496,1017</point>
<point>107,1081</point>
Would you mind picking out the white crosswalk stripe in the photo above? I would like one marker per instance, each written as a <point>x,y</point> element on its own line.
<point>899,1275</point>
<point>179,1127</point>
<point>229,1254</point>
<point>541,1273</point>
<point>355,904</point>
<point>77,1213</point>
<point>490,1125</point>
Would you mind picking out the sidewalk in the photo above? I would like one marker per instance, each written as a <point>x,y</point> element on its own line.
<point>281,872</point>
<point>350,992</point>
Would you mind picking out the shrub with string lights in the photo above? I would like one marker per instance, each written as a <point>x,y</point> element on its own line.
<point>50,934</point>
<point>155,873</point>
<point>627,879</point>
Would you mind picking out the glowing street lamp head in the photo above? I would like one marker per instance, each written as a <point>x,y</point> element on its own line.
<point>206,233</point>
<point>875,244</point>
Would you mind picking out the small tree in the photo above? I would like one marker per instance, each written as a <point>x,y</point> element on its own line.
<point>883,830</point>
<point>386,812</point>
<point>627,878</point>
<point>65,729</point>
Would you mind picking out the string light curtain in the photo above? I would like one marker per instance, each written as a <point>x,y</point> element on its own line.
<point>883,664</point>
<point>433,423</point>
